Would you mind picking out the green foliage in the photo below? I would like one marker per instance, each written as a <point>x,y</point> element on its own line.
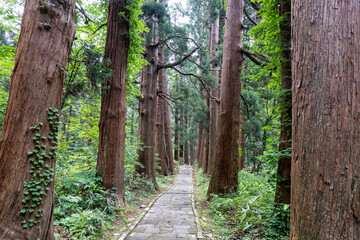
<point>136,49</point>
<point>83,206</point>
<point>266,37</point>
<point>41,173</point>
<point>250,213</point>
<point>154,9</point>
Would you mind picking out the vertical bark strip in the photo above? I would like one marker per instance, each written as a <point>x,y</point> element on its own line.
<point>168,135</point>
<point>192,153</point>
<point>242,142</point>
<point>224,177</point>
<point>282,194</point>
<point>37,81</point>
<point>199,145</point>
<point>111,152</point>
<point>176,136</point>
<point>205,142</point>
<point>326,139</point>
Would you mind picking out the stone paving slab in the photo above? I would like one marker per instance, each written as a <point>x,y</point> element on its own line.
<point>171,216</point>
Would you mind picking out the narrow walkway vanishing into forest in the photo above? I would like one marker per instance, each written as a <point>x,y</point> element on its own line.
<point>171,216</point>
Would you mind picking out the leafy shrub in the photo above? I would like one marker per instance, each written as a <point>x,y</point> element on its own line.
<point>250,213</point>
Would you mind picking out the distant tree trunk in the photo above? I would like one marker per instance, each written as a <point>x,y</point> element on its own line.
<point>148,109</point>
<point>199,146</point>
<point>325,172</point>
<point>111,154</point>
<point>224,177</point>
<point>242,142</point>
<point>37,82</point>
<point>205,143</point>
<point>168,135</point>
<point>176,137</point>
<point>192,153</point>
<point>282,194</point>
<point>181,138</point>
<point>214,41</point>
<point>160,147</point>
<point>186,149</point>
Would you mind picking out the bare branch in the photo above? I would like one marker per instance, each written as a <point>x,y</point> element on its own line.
<point>80,8</point>
<point>250,19</point>
<point>178,36</point>
<point>201,81</point>
<point>170,65</point>
<point>100,27</point>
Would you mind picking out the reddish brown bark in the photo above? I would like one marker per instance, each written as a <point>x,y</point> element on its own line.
<point>205,143</point>
<point>213,106</point>
<point>111,154</point>
<point>37,81</point>
<point>168,134</point>
<point>160,147</point>
<point>282,194</point>
<point>224,177</point>
<point>148,109</point>
<point>326,149</point>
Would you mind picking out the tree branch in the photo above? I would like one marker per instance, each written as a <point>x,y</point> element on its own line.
<point>255,6</point>
<point>201,81</point>
<point>171,65</point>
<point>254,57</point>
<point>80,8</point>
<point>250,19</point>
<point>178,36</point>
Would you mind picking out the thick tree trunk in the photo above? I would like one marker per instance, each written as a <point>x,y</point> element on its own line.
<point>111,154</point>
<point>37,81</point>
<point>160,147</point>
<point>326,139</point>
<point>224,177</point>
<point>214,41</point>
<point>168,135</point>
<point>148,110</point>
<point>282,194</point>
<point>186,148</point>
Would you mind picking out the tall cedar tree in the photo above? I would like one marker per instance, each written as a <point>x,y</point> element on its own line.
<point>213,46</point>
<point>148,107</point>
<point>47,33</point>
<point>160,117</point>
<point>282,194</point>
<point>326,139</point>
<point>224,176</point>
<point>111,152</point>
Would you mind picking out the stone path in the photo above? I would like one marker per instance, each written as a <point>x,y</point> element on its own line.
<point>171,216</point>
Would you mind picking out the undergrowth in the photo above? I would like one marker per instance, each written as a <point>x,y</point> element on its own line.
<point>249,213</point>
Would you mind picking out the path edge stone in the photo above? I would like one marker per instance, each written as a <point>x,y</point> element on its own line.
<point>142,214</point>
<point>197,219</point>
